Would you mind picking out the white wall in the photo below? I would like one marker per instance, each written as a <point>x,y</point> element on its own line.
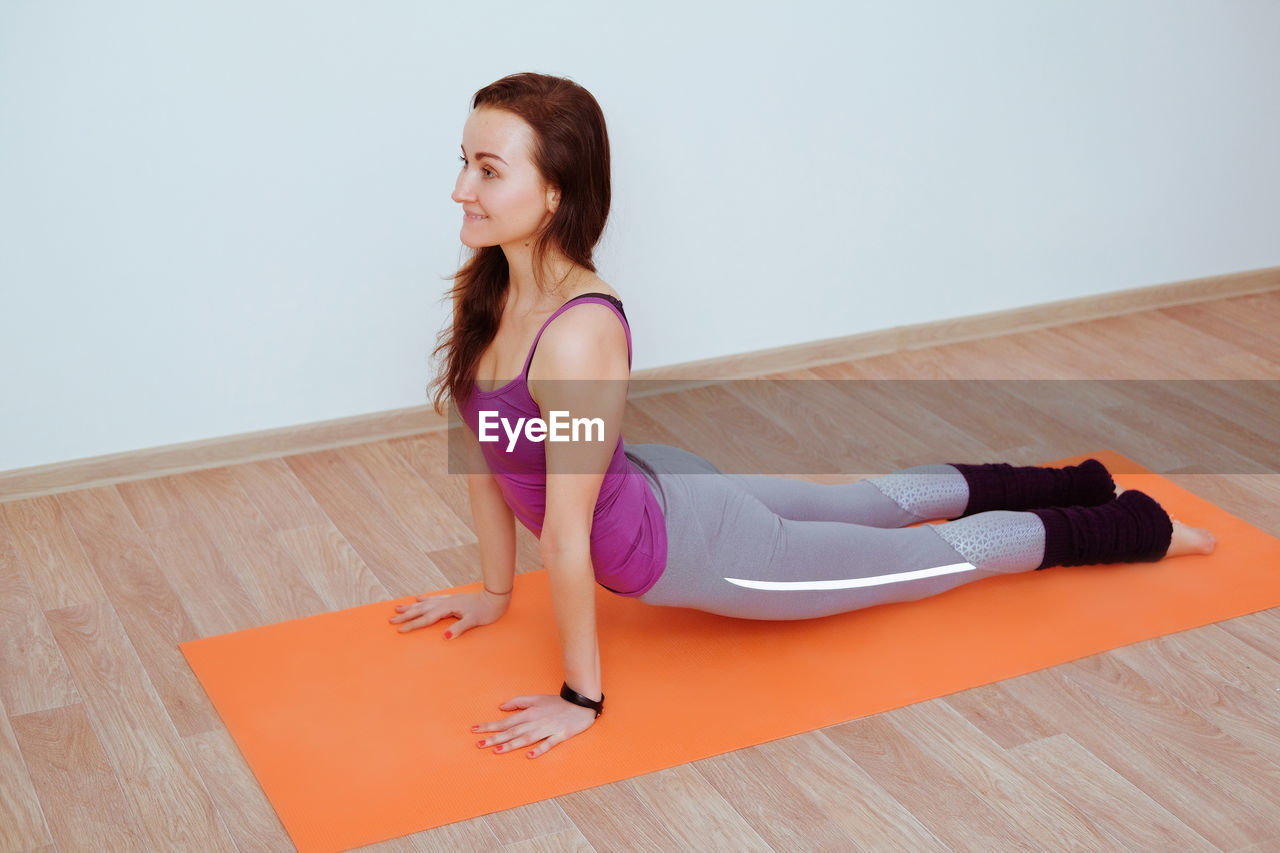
<point>219,217</point>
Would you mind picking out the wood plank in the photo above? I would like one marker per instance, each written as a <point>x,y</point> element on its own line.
<point>615,817</point>
<point>941,801</point>
<point>84,802</point>
<point>1259,630</point>
<point>430,456</point>
<point>1018,796</point>
<point>34,676</point>
<point>235,793</point>
<point>56,566</point>
<point>200,575</point>
<point>471,834</point>
<point>331,566</point>
<point>22,825</point>
<point>397,556</point>
<point>153,615</point>
<point>734,436</point>
<point>156,774</point>
<point>826,777</point>
<point>1129,818</point>
<point>214,501</point>
<point>774,806</point>
<point>565,841</point>
<point>1208,780</point>
<point>694,812</point>
<point>1254,498</point>
<point>1221,677</point>
<point>156,503</point>
<point>278,495</point>
<point>993,711</point>
<point>1248,322</point>
<point>416,504</point>
<point>530,822</point>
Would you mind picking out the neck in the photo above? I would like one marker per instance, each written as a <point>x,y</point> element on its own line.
<point>532,291</point>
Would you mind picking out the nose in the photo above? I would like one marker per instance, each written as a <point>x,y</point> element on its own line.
<point>462,191</point>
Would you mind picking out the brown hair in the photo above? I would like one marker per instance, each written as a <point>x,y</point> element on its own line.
<point>571,152</point>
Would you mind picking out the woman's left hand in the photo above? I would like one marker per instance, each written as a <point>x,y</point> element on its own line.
<point>541,721</point>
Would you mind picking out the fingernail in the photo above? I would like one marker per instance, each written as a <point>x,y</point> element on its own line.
<point>448,635</point>
<point>480,744</point>
<point>531,753</point>
<point>497,749</point>
<point>475,728</point>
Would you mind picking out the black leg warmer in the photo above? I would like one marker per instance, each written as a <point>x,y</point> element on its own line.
<point>1131,529</point>
<point>1001,486</point>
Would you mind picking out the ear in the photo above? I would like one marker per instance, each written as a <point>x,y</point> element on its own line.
<point>553,199</point>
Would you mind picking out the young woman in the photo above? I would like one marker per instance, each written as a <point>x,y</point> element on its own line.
<point>537,335</point>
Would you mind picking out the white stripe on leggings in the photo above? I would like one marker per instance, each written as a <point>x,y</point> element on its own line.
<point>854,583</point>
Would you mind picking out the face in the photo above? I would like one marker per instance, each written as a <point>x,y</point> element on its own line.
<point>505,201</point>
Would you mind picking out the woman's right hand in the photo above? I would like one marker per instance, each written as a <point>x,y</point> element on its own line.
<point>469,608</point>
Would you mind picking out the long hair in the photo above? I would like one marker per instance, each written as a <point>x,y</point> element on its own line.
<point>571,152</point>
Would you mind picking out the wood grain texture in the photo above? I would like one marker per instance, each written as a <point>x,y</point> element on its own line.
<point>234,791</point>
<point>694,812</point>
<point>108,742</point>
<point>55,564</point>
<point>153,615</point>
<point>1123,813</point>
<point>397,555</point>
<point>1176,754</point>
<point>155,772</point>
<point>72,773</point>
<point>959,816</point>
<point>1016,795</point>
<point>22,825</point>
<point>528,823</point>
<point>34,676</point>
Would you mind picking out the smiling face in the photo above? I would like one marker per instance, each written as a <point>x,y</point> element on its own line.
<point>504,199</point>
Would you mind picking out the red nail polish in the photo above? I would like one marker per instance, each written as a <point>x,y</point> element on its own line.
<point>531,753</point>
<point>497,748</point>
<point>475,728</point>
<point>448,635</point>
<point>480,744</point>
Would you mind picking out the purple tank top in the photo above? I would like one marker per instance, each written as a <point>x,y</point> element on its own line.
<point>628,536</point>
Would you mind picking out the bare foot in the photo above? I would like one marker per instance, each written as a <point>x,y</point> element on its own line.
<point>1190,540</point>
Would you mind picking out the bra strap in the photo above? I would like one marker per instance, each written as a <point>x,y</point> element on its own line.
<point>612,301</point>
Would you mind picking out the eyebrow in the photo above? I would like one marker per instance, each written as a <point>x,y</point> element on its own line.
<point>480,155</point>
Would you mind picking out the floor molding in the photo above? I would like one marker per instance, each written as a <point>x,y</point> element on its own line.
<point>973,327</point>
<point>24,483</point>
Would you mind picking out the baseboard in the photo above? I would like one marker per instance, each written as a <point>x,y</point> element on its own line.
<point>973,327</point>
<point>286,441</point>
<point>215,452</point>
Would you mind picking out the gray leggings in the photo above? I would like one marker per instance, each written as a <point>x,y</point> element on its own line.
<point>776,548</point>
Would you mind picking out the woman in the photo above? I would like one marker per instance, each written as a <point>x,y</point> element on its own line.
<point>537,335</point>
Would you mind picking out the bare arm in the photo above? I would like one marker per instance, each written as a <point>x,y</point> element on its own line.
<point>495,528</point>
<point>582,369</point>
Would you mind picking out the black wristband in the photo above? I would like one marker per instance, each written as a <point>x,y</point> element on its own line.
<point>570,695</point>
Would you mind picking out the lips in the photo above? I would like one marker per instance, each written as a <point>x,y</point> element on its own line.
<point>473,217</point>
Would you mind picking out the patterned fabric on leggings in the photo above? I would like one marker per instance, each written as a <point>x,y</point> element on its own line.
<point>728,535</point>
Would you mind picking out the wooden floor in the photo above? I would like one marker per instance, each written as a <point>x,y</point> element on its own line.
<point>107,742</point>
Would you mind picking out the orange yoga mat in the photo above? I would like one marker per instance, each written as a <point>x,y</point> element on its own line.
<point>358,733</point>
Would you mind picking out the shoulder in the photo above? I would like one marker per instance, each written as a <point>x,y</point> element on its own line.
<point>587,341</point>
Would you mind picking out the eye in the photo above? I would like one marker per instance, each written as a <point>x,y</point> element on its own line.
<point>488,173</point>
<point>464,162</point>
